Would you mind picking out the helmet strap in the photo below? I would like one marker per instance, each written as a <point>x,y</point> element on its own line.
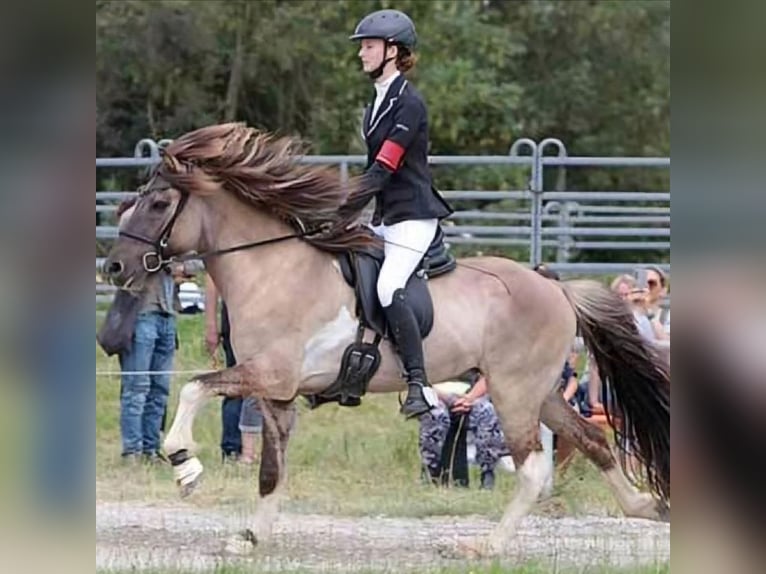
<point>377,72</point>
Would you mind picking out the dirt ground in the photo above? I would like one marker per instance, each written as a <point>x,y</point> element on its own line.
<point>133,535</point>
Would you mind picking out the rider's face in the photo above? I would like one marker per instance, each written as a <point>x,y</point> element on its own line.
<point>371,53</point>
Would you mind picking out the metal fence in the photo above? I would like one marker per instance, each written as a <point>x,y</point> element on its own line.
<point>560,221</point>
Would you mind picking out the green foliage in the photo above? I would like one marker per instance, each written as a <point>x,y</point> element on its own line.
<point>593,74</point>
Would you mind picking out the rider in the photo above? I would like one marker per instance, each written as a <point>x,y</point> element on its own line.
<point>408,207</point>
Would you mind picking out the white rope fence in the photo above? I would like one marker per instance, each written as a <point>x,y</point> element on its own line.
<point>187,372</point>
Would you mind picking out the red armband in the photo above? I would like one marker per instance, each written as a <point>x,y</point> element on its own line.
<point>390,154</point>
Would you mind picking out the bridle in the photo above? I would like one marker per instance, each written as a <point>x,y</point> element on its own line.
<point>161,243</point>
<point>156,259</point>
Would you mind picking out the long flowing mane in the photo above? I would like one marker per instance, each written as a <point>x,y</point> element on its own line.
<point>263,170</point>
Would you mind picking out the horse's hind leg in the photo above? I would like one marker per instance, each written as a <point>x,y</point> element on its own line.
<point>278,420</point>
<point>518,405</point>
<point>591,441</point>
<point>533,470</point>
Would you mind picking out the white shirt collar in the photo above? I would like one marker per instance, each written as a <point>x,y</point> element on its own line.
<point>381,88</point>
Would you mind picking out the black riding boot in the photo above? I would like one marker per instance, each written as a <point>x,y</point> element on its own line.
<point>405,332</point>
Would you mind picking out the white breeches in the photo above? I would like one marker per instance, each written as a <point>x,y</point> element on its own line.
<point>406,244</point>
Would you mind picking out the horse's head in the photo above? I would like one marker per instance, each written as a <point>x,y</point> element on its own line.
<point>159,225</point>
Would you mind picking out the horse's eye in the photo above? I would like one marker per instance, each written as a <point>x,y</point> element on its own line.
<point>160,205</point>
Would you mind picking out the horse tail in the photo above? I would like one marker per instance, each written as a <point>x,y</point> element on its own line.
<point>636,379</point>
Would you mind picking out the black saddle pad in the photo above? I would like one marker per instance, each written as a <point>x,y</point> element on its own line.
<point>361,270</point>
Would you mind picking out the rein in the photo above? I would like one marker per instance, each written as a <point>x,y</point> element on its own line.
<point>155,260</point>
<point>242,247</point>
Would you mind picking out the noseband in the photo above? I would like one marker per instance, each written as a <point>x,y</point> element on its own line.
<point>161,243</point>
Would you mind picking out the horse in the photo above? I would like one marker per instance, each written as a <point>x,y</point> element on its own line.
<point>270,229</point>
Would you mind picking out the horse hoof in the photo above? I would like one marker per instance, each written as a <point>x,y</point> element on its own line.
<point>188,475</point>
<point>242,543</point>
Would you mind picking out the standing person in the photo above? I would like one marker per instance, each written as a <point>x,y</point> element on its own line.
<point>408,208</point>
<point>241,420</point>
<point>231,439</point>
<point>145,381</point>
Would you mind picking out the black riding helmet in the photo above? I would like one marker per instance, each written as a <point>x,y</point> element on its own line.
<point>393,26</point>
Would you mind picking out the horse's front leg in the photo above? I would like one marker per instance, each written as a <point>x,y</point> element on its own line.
<point>248,378</point>
<point>278,421</point>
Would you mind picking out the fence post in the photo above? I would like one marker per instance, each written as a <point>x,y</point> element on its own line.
<point>563,253</point>
<point>562,212</point>
<point>534,218</point>
<point>546,435</point>
<point>146,144</point>
<point>344,172</point>
<point>539,187</point>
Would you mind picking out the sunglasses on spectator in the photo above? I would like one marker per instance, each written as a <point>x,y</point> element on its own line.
<point>652,283</point>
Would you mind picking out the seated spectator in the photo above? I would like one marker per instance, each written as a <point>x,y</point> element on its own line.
<point>657,290</point>
<point>638,299</point>
<point>622,286</point>
<point>569,384</point>
<point>471,400</point>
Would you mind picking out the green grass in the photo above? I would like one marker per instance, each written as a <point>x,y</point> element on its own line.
<point>348,461</point>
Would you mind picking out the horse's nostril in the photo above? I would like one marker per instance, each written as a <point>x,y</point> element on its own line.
<point>115,268</point>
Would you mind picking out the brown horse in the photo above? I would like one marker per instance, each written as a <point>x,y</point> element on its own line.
<point>268,229</point>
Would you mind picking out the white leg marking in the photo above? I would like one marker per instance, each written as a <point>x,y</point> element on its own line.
<point>633,503</point>
<point>261,525</point>
<point>533,474</point>
<point>266,514</point>
<point>191,398</point>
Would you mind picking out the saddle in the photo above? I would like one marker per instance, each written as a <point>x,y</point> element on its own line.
<point>361,359</point>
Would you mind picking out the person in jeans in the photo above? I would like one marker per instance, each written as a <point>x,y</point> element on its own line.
<point>250,426</point>
<point>235,412</point>
<point>145,382</point>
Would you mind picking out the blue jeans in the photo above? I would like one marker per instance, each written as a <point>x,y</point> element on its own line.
<point>231,438</point>
<point>144,397</point>
<point>250,418</point>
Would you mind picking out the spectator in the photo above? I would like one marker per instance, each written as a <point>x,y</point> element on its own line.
<point>638,299</point>
<point>569,384</point>
<point>250,426</point>
<point>623,286</point>
<point>236,413</point>
<point>145,381</point>
<point>644,302</point>
<point>657,290</point>
<point>470,398</point>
